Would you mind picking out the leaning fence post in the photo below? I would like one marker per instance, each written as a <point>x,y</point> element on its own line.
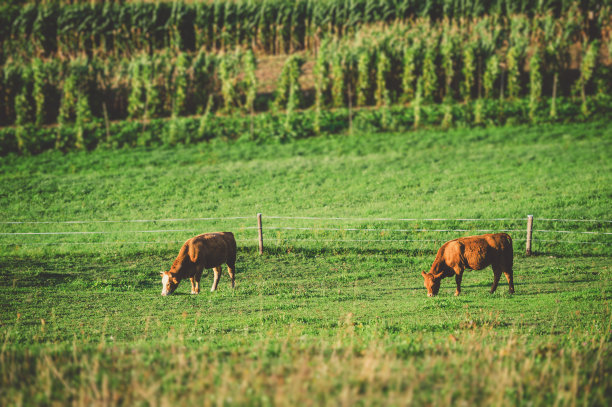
<point>260,233</point>
<point>529,233</point>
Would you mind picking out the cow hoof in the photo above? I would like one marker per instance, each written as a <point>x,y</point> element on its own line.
<point>457,293</point>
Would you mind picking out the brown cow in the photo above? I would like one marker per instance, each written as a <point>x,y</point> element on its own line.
<point>206,251</point>
<point>473,252</point>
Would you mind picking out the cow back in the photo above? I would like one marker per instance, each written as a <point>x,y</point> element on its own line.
<point>481,251</point>
<point>213,249</point>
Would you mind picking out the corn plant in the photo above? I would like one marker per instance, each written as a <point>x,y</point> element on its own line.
<point>338,86</point>
<point>275,26</point>
<point>478,112</point>
<point>75,107</point>
<point>447,118</point>
<point>416,105</point>
<point>38,90</point>
<point>250,80</point>
<point>411,55</point>
<point>491,74</point>
<point>535,81</point>
<point>180,79</point>
<point>429,77</point>
<point>204,123</point>
<point>70,94</point>
<point>383,66</point>
<point>364,80</point>
<point>321,83</point>
<point>24,112</point>
<point>204,79</point>
<point>519,39</point>
<point>468,68</point>
<point>153,98</point>
<point>288,93</point>
<point>587,67</point>
<point>448,45</point>
<point>228,71</point>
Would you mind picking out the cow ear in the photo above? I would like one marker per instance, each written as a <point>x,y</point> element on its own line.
<point>161,273</point>
<point>423,273</point>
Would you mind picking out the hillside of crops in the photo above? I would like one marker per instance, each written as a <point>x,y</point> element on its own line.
<point>82,67</point>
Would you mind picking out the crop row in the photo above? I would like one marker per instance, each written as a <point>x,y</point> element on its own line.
<point>419,63</point>
<point>271,26</point>
<point>281,127</point>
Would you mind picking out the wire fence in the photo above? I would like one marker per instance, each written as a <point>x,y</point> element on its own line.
<point>336,232</point>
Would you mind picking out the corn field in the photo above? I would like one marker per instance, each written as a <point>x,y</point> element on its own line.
<point>122,28</point>
<point>73,63</point>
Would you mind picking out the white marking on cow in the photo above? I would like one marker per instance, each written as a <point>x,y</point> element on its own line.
<point>165,279</point>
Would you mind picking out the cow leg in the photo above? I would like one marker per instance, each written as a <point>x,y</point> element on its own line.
<point>496,275</point>
<point>458,278</point>
<point>217,271</point>
<point>509,277</point>
<point>193,285</point>
<point>231,270</point>
<point>197,276</point>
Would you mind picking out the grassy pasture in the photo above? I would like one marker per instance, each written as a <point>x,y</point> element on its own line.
<point>311,321</point>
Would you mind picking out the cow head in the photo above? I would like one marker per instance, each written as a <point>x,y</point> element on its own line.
<point>432,283</point>
<point>169,283</point>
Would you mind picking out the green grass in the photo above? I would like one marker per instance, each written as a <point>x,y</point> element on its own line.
<point>316,321</point>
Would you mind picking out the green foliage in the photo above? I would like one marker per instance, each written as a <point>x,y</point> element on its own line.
<point>136,101</point>
<point>467,70</point>
<point>38,90</point>
<point>429,78</point>
<point>409,71</point>
<point>338,68</point>
<point>513,62</point>
<point>178,82</point>
<point>204,83</point>
<point>228,69</point>
<point>180,79</point>
<point>491,74</point>
<point>236,74</point>
<point>447,119</point>
<point>24,113</point>
<point>364,76</point>
<point>250,80</point>
<point>587,67</point>
<point>416,104</point>
<point>448,46</point>
<point>275,26</point>
<point>383,67</point>
<point>321,83</point>
<point>291,124</point>
<point>535,82</point>
<point>288,93</point>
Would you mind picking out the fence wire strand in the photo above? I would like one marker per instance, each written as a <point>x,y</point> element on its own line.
<point>285,239</point>
<point>302,218</point>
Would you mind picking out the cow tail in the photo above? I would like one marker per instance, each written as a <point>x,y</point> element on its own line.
<point>509,260</point>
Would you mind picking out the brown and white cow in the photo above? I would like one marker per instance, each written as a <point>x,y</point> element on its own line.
<point>473,252</point>
<point>206,251</point>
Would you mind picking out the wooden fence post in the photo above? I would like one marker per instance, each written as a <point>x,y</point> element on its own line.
<point>260,233</point>
<point>529,234</point>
